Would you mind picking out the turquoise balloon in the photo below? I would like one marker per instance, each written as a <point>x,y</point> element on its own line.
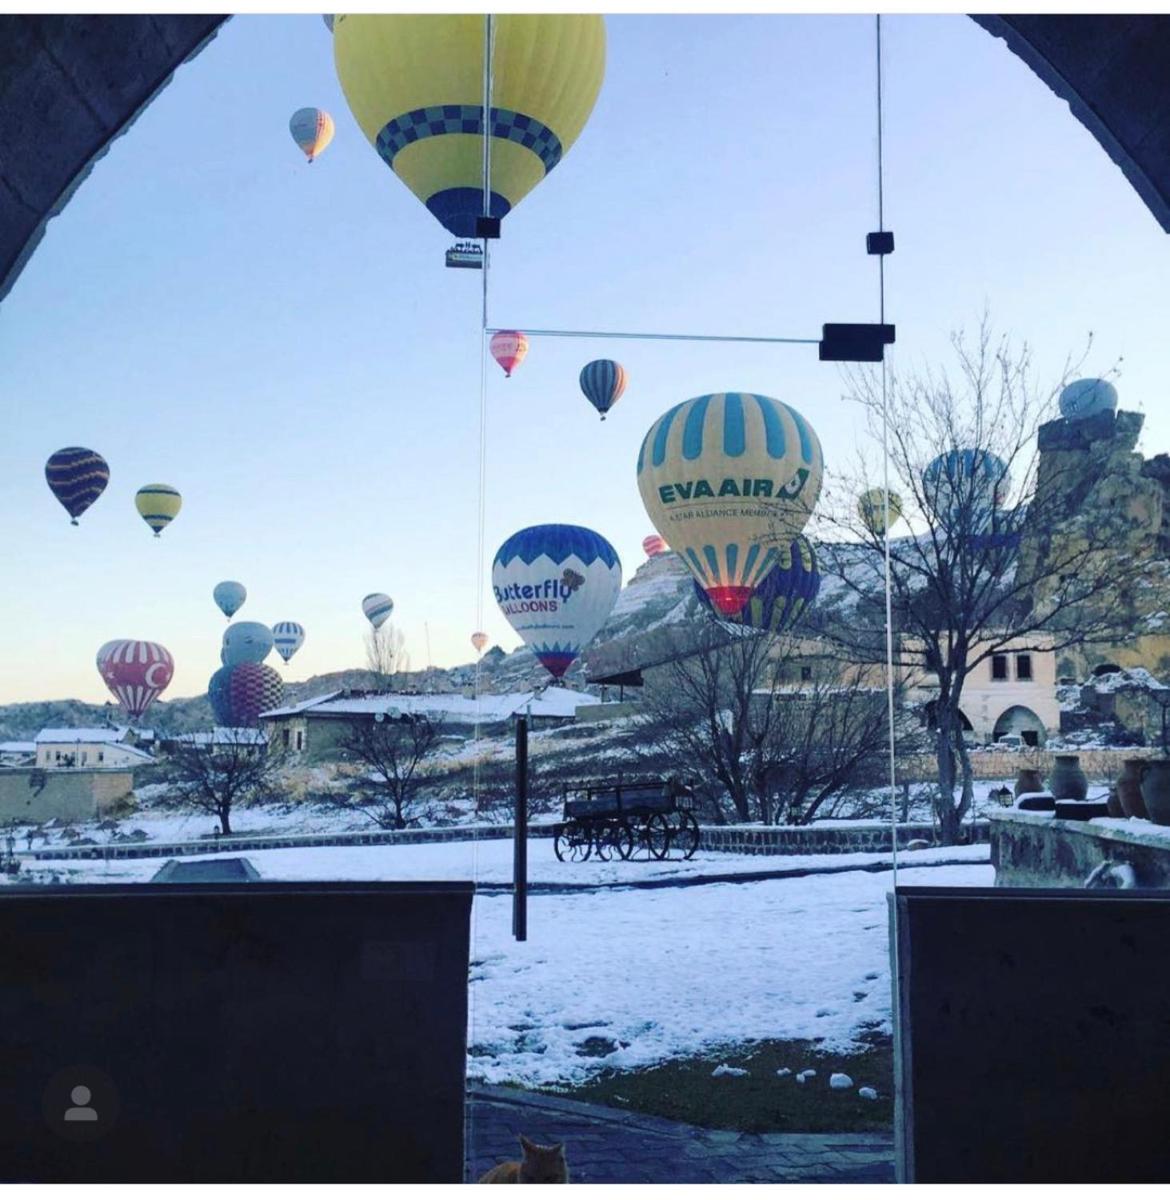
<point>246,641</point>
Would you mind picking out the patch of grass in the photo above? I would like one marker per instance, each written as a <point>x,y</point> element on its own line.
<point>683,1089</point>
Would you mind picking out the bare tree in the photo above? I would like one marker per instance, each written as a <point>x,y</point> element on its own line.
<point>386,656</point>
<point>726,711</point>
<point>978,573</point>
<point>392,752</point>
<point>215,773</point>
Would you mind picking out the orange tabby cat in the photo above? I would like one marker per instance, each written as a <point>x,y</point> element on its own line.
<point>541,1164</point>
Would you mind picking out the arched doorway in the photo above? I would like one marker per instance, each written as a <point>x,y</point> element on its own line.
<point>1021,721</point>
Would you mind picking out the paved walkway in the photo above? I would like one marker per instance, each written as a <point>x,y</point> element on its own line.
<point>607,1145</point>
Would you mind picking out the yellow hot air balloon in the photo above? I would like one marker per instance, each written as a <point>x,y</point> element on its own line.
<point>415,85</point>
<point>871,507</point>
<point>729,480</point>
<point>158,505</point>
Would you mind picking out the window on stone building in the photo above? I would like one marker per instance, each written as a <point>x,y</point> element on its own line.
<point>300,739</point>
<point>1023,666</point>
<point>284,737</point>
<point>805,674</point>
<point>999,666</point>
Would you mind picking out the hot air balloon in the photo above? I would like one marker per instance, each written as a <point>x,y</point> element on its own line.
<point>654,545</point>
<point>253,688</point>
<point>603,382</point>
<point>377,606</point>
<point>729,480</point>
<point>415,85</point>
<point>556,584</point>
<point>77,477</point>
<point>229,596</point>
<point>136,672</point>
<point>312,130</point>
<point>288,637</point>
<point>781,598</point>
<point>158,505</point>
<point>479,640</point>
<point>1086,398</point>
<point>220,697</point>
<point>246,641</point>
<point>963,489</point>
<point>871,507</point>
<point>508,349</point>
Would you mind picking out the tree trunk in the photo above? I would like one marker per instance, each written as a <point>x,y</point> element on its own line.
<point>225,823</point>
<point>948,814</point>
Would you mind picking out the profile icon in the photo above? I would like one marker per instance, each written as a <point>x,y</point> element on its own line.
<point>81,1110</point>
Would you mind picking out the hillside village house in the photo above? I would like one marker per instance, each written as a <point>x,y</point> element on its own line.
<point>62,749</point>
<point>318,726</point>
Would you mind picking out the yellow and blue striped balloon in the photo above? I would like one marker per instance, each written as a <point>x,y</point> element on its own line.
<point>729,480</point>
<point>158,505</point>
<point>603,382</point>
<point>415,85</point>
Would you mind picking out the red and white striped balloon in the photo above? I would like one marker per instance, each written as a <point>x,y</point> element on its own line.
<point>654,545</point>
<point>136,672</point>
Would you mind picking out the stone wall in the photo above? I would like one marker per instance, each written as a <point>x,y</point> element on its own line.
<point>1101,766</point>
<point>868,838</point>
<point>30,795</point>
<point>1036,850</point>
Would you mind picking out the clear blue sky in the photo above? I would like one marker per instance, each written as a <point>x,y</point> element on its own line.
<point>282,343</point>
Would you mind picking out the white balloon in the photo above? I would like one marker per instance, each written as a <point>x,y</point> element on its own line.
<point>556,584</point>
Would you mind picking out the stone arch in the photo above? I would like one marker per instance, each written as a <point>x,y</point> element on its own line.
<point>1021,720</point>
<point>1105,669</point>
<point>930,716</point>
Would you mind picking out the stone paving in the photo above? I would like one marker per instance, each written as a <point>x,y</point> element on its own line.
<point>607,1145</point>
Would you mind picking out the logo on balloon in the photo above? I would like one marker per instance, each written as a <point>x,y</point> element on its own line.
<point>729,480</point>
<point>556,584</point>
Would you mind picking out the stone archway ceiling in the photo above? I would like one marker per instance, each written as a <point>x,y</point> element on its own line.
<point>70,85</point>
<point>1114,72</point>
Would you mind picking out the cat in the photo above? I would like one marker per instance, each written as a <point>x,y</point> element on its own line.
<point>541,1164</point>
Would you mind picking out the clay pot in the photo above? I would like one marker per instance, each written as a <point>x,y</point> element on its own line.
<point>1129,789</point>
<point>1068,781</point>
<point>1027,780</point>
<point>1114,802</point>
<point>1155,789</point>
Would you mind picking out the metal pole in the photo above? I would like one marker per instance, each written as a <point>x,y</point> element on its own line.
<point>520,836</point>
<point>655,337</point>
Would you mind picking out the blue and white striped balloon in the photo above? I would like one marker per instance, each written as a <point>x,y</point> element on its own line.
<point>288,637</point>
<point>964,488</point>
<point>377,606</point>
<point>556,584</point>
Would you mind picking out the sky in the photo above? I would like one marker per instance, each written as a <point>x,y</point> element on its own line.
<point>282,342</point>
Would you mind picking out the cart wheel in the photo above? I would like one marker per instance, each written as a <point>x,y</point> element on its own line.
<point>629,841</point>
<point>655,836</point>
<point>572,842</point>
<point>686,837</point>
<point>620,837</point>
<point>607,840</point>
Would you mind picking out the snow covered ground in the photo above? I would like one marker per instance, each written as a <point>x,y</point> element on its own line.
<point>658,973</point>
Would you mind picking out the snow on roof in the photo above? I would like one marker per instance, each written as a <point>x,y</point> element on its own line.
<point>221,735</point>
<point>291,710</point>
<point>69,736</point>
<point>18,747</point>
<point>449,706</point>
